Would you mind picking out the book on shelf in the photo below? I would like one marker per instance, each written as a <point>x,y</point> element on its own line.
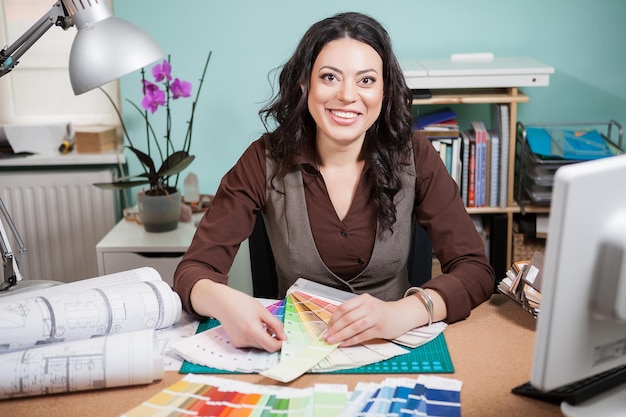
<point>471,172</point>
<point>494,169</point>
<point>445,130</point>
<point>449,150</point>
<point>501,125</point>
<point>440,116</point>
<point>485,182</point>
<point>89,334</point>
<point>465,161</point>
<point>480,161</point>
<point>480,136</point>
<point>442,129</point>
<point>440,134</point>
<point>455,168</point>
<point>480,155</point>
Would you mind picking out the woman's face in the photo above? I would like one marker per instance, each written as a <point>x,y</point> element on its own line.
<point>346,90</point>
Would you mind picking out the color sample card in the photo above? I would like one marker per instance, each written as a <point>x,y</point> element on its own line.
<point>304,347</point>
<point>214,396</point>
<point>213,348</point>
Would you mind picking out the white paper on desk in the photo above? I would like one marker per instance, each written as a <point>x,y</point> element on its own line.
<point>169,336</point>
<point>421,335</point>
<point>38,138</point>
<point>360,355</point>
<point>372,351</point>
<point>127,301</point>
<point>213,349</point>
<point>101,362</point>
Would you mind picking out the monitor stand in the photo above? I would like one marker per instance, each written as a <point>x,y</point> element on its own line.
<point>611,403</point>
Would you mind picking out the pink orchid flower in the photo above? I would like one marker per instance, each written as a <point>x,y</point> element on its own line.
<point>162,71</point>
<point>153,98</point>
<point>180,88</point>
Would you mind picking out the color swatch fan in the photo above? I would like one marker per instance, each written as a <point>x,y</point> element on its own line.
<point>305,322</point>
<point>305,312</point>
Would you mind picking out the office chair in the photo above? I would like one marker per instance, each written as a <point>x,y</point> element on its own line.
<point>265,280</point>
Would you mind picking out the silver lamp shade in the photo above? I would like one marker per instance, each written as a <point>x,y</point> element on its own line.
<point>105,47</point>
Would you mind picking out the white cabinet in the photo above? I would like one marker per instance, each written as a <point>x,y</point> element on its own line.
<point>129,246</point>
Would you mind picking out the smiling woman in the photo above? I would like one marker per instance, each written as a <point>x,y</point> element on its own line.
<point>346,91</point>
<point>345,98</point>
<point>339,184</point>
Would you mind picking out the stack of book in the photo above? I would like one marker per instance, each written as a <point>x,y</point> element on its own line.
<point>442,129</point>
<point>481,155</point>
<point>522,283</point>
<point>476,158</point>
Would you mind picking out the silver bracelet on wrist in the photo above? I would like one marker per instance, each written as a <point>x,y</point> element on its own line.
<point>426,299</point>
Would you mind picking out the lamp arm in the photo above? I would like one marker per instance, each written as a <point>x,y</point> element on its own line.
<point>11,273</point>
<point>10,55</point>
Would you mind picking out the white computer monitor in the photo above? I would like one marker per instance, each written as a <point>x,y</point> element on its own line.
<point>581,327</point>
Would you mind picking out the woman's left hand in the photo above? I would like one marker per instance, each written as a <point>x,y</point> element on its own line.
<point>365,317</point>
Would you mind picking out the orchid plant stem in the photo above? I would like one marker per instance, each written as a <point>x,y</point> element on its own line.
<point>158,93</point>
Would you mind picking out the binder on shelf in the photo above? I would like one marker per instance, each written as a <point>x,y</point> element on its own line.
<point>494,169</point>
<point>487,169</point>
<point>465,161</point>
<point>501,125</point>
<point>455,168</point>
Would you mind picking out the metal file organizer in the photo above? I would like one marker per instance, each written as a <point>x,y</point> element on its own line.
<point>534,174</point>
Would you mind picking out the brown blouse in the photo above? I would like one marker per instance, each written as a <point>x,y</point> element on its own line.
<point>344,246</point>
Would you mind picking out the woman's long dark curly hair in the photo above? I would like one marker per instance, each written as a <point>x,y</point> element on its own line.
<point>386,142</point>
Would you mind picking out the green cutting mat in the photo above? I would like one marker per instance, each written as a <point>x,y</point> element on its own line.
<point>433,357</point>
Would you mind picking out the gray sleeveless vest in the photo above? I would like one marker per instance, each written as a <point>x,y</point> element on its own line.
<point>296,256</point>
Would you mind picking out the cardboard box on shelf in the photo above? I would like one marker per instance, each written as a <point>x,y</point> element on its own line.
<point>96,139</point>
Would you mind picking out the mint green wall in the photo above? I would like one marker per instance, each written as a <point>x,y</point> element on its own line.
<point>584,40</point>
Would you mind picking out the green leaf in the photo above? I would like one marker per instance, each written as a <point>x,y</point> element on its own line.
<point>175,163</point>
<point>120,185</point>
<point>144,158</point>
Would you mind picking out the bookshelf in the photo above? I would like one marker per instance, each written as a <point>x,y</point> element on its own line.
<point>511,96</point>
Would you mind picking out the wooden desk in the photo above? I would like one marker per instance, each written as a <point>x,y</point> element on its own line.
<point>491,352</point>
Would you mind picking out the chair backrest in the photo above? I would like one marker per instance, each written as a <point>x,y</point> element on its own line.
<point>262,266</point>
<point>265,280</point>
<point>420,264</point>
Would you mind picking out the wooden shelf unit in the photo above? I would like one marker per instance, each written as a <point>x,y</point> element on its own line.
<point>511,96</point>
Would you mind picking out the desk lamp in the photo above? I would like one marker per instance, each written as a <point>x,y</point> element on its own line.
<point>104,49</point>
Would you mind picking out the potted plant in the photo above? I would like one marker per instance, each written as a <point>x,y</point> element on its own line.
<point>159,204</point>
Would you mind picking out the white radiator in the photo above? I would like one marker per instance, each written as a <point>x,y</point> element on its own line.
<point>61,217</point>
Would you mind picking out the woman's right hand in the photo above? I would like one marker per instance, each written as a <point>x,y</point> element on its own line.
<point>246,322</point>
